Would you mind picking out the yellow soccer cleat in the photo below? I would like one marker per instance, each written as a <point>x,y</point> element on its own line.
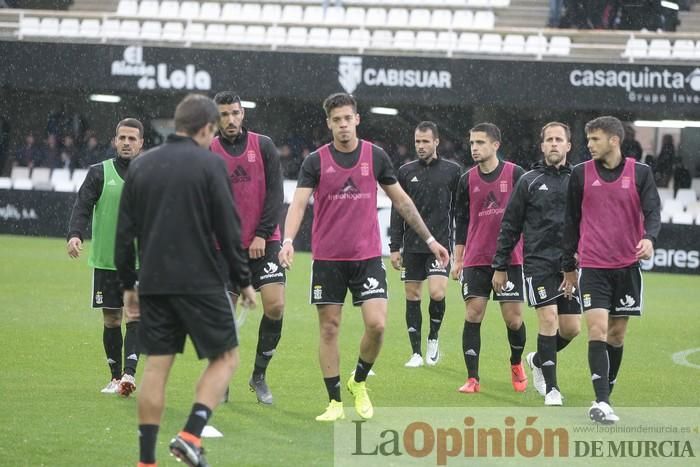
<point>363,405</point>
<point>333,412</point>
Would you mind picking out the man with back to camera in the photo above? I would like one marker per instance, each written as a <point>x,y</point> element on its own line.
<point>482,196</point>
<point>253,168</point>
<point>613,219</point>
<point>431,182</point>
<point>177,221</point>
<point>345,244</point>
<point>98,197</point>
<point>536,211</point>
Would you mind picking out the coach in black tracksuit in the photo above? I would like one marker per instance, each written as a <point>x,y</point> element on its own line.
<point>537,210</point>
<point>176,201</point>
<point>431,182</point>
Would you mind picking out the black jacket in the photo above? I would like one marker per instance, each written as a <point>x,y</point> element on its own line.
<point>648,197</point>
<point>176,200</point>
<point>433,189</point>
<point>274,183</point>
<point>536,209</point>
<point>88,195</point>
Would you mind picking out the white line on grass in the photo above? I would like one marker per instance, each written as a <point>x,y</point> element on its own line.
<point>681,358</point>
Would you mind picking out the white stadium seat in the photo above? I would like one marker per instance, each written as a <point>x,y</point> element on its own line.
<point>292,14</point>
<point>189,10</point>
<point>468,42</point>
<point>271,13</point>
<point>29,26</point>
<point>148,9</point>
<point>659,48</point>
<point>210,10</point>
<point>70,27</point>
<point>419,18</point>
<point>41,178</point>
<point>79,177</point>
<point>446,40</point>
<point>48,27</point>
<point>194,32</point>
<point>169,9</point>
<point>231,11</point>
<point>90,28</point>
<point>359,38</point>
<point>382,39</point>
<point>672,206</point>
<point>441,19</point>
<point>318,37</point>
<point>355,16</point>
<point>684,49</point>
<point>129,29</point>
<point>60,179</point>
<point>514,44</point>
<point>536,45</point>
<point>635,48</point>
<point>250,13</point>
<point>335,15</point>
<point>5,183</point>
<point>127,8</point>
<point>404,40</point>
<point>255,34</point>
<point>172,31</point>
<point>296,36</point>
<point>313,15</point>
<point>490,43</point>
<point>695,185</point>
<point>215,32</point>
<point>376,17</point>
<point>559,45</point>
<point>151,30</point>
<point>426,40</point>
<point>339,37</point>
<point>276,35</point>
<point>462,19</point>
<point>685,196</point>
<point>397,18</point>
<point>110,28</point>
<point>665,193</point>
<point>683,218</point>
<point>484,19</point>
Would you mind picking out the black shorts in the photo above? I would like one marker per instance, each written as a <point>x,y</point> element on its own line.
<point>330,281</point>
<point>167,319</point>
<point>617,290</point>
<point>543,290</point>
<point>416,267</point>
<point>264,271</point>
<point>106,289</point>
<point>476,282</point>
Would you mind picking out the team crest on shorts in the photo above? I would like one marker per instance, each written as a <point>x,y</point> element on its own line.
<point>587,300</point>
<point>542,292</point>
<point>318,292</point>
<point>98,297</point>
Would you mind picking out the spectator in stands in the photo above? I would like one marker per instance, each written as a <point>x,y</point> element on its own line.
<point>630,146</point>
<point>69,153</point>
<point>665,161</point>
<point>400,156</point>
<point>290,161</point>
<point>555,10</point>
<point>681,176</point>
<point>92,152</point>
<point>52,152</point>
<point>29,155</point>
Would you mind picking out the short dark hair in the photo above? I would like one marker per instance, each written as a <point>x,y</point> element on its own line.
<point>566,128</point>
<point>339,99</point>
<point>427,125</point>
<point>612,126</point>
<point>131,123</point>
<point>195,112</point>
<point>227,98</point>
<point>490,129</point>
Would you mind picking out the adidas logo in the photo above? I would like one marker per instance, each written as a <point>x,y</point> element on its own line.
<point>596,182</point>
<point>111,361</point>
<point>269,353</point>
<point>490,202</point>
<point>330,170</point>
<point>240,175</point>
<point>411,329</point>
<point>414,179</point>
<point>595,376</point>
<point>133,356</point>
<point>470,352</point>
<point>111,182</point>
<point>543,187</point>
<point>548,363</point>
<point>476,190</point>
<point>201,413</point>
<point>349,187</point>
<point>435,320</point>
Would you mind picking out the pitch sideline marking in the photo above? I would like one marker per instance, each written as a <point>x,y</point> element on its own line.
<point>681,358</point>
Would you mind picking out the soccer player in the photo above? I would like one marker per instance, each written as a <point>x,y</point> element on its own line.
<point>536,210</point>
<point>612,220</point>
<point>482,196</point>
<point>176,219</point>
<point>254,171</point>
<point>98,198</point>
<point>431,182</point>
<point>346,248</point>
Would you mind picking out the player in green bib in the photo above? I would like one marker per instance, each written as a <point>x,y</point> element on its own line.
<point>98,198</point>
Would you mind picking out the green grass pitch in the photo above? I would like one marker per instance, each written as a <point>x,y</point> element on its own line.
<point>53,366</point>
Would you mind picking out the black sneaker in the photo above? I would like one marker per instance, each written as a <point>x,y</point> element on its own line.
<point>187,452</point>
<point>259,386</point>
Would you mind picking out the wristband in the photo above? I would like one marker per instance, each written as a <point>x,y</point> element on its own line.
<point>430,240</point>
<point>287,240</point>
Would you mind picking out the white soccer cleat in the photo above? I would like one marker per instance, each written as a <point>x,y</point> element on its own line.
<point>111,388</point>
<point>553,398</point>
<point>415,361</point>
<point>537,376</point>
<point>433,353</point>
<point>601,412</point>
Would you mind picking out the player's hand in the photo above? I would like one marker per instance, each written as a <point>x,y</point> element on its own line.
<point>247,297</point>
<point>74,247</point>
<point>257,248</point>
<point>456,271</point>
<point>286,255</point>
<point>131,305</point>
<point>645,249</point>
<point>396,260</point>
<point>498,282</point>
<point>441,253</point>
<point>569,284</point>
